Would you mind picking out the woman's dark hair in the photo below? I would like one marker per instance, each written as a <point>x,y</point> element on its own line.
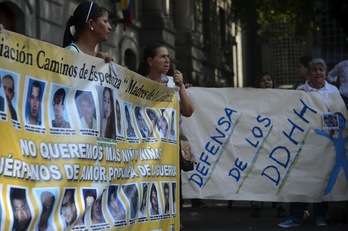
<point>82,13</point>
<point>150,51</point>
<point>304,60</point>
<point>110,124</point>
<point>257,83</point>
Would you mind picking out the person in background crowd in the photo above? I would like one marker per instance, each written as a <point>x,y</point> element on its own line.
<point>301,70</point>
<point>317,72</point>
<point>266,81</point>
<point>339,76</point>
<point>302,74</point>
<point>86,28</point>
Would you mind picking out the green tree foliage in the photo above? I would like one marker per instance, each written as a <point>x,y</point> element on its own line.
<point>280,18</point>
<point>338,9</point>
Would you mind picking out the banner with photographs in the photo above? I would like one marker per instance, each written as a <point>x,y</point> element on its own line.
<point>85,145</point>
<point>268,145</point>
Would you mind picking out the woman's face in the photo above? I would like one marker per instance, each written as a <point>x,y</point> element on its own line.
<point>102,27</point>
<point>161,62</point>
<point>317,74</point>
<point>266,82</point>
<point>107,104</point>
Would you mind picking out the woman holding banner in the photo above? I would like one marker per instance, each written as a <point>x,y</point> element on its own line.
<point>156,67</point>
<point>157,63</point>
<point>266,81</point>
<point>317,72</point>
<point>86,28</point>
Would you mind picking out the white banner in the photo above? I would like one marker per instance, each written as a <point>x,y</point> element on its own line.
<point>269,145</point>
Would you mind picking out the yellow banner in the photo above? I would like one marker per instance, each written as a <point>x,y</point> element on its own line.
<point>84,144</point>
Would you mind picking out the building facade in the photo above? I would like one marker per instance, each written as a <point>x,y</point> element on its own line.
<point>198,33</point>
<point>204,42</point>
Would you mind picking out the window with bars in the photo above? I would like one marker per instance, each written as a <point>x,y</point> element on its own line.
<point>284,57</point>
<point>334,42</point>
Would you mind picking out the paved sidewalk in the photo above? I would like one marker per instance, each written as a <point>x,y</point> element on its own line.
<point>218,217</point>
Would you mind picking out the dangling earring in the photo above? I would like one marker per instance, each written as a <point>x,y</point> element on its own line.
<point>92,28</point>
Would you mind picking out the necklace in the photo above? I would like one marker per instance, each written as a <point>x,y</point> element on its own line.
<point>85,50</point>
